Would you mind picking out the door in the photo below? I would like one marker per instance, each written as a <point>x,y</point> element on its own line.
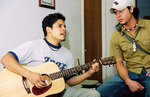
<point>93,33</point>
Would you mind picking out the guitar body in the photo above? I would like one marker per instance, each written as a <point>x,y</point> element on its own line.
<point>11,84</point>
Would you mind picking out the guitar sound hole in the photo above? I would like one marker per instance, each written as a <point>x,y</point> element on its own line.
<point>47,79</point>
<point>37,91</point>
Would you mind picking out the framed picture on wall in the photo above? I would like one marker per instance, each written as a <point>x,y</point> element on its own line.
<point>47,3</point>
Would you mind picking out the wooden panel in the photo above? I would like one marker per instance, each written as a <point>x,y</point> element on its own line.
<point>93,34</point>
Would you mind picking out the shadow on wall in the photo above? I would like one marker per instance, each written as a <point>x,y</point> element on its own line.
<point>66,42</point>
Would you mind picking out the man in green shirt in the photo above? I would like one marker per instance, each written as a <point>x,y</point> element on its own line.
<point>136,74</point>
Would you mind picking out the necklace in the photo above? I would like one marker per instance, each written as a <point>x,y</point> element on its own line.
<point>131,28</point>
<point>54,48</point>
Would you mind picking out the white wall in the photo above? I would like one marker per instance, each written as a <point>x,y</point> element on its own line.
<point>20,21</point>
<point>108,24</point>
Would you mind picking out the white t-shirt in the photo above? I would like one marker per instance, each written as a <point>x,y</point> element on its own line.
<point>39,51</point>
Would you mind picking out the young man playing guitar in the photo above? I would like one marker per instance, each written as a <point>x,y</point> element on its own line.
<point>49,49</point>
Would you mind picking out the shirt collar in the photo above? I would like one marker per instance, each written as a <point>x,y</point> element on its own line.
<point>53,46</point>
<point>119,27</point>
<point>141,23</point>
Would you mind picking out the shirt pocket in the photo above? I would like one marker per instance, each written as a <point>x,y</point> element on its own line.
<point>127,50</point>
<point>146,44</point>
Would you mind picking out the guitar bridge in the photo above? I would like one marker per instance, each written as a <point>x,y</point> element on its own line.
<point>25,84</point>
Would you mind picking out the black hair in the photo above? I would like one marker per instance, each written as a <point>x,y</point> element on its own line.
<point>50,19</point>
<point>135,12</point>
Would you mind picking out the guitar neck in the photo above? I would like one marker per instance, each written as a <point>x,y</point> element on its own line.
<point>66,72</point>
<point>104,61</point>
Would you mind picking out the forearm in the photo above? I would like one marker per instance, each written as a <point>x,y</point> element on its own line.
<point>11,64</point>
<point>123,73</point>
<point>122,70</point>
<point>77,79</point>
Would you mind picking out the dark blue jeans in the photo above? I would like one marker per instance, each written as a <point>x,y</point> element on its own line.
<point>116,87</point>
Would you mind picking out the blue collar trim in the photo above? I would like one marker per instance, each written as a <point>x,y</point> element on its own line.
<point>53,46</point>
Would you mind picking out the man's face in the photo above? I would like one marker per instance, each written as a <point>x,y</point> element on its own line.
<point>58,31</point>
<point>123,16</point>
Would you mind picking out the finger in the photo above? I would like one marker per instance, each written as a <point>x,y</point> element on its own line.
<point>148,74</point>
<point>93,66</point>
<point>91,70</point>
<point>96,66</point>
<point>43,84</point>
<point>94,60</point>
<point>97,69</point>
<point>141,87</point>
<point>42,81</point>
<point>41,77</point>
<point>38,85</point>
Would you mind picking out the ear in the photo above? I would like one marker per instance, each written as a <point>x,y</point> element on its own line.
<point>48,29</point>
<point>131,9</point>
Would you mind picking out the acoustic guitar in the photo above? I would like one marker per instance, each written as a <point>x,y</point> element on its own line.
<point>14,85</point>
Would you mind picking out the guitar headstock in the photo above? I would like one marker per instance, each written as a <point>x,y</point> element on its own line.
<point>108,61</point>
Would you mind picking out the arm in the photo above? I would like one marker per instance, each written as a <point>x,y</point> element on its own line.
<point>78,79</point>
<point>11,64</point>
<point>123,73</point>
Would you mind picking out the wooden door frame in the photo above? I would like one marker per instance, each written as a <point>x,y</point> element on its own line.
<point>93,29</point>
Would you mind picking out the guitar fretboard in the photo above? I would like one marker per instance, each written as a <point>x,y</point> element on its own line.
<point>104,61</point>
<point>66,72</point>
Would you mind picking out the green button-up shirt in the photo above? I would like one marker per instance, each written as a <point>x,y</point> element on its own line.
<point>121,47</point>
